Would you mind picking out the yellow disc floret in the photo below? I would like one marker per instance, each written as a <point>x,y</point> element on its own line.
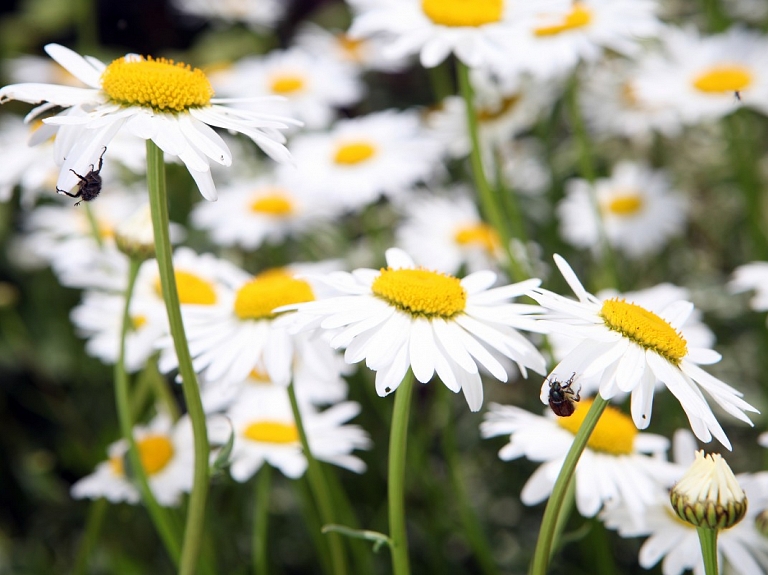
<point>645,328</point>
<point>721,79</point>
<point>614,433</point>
<point>625,204</point>
<point>481,235</point>
<point>274,204</point>
<point>160,84</point>
<point>192,289</point>
<point>463,12</point>
<point>287,84</point>
<point>353,153</point>
<point>578,17</point>
<point>257,298</point>
<point>420,292</point>
<point>271,432</point>
<point>155,451</point>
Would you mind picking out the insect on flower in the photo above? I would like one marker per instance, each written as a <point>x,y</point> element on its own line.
<point>562,396</point>
<point>89,186</point>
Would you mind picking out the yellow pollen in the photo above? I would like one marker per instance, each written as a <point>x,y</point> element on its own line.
<point>271,432</point>
<point>720,79</point>
<point>578,17</point>
<point>488,115</point>
<point>353,153</point>
<point>257,298</point>
<point>625,205</point>
<point>629,94</point>
<point>160,84</point>
<point>274,203</point>
<point>645,328</point>
<point>155,451</point>
<point>138,321</point>
<point>192,289</point>
<point>258,376</point>
<point>463,12</point>
<point>614,433</point>
<point>421,292</point>
<point>287,84</point>
<point>350,46</point>
<point>481,235</point>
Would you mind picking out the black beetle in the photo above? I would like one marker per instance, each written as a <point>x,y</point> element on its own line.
<point>89,186</point>
<point>562,396</point>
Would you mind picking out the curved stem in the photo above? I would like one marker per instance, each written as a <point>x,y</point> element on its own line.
<point>398,442</point>
<point>320,491</point>
<point>158,515</point>
<point>158,200</point>
<point>708,541</point>
<point>488,199</point>
<point>549,522</point>
<point>261,520</point>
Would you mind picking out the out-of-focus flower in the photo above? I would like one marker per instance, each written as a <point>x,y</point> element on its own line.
<point>255,13</point>
<point>752,276</point>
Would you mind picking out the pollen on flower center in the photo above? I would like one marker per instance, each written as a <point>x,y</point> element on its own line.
<point>160,84</point>
<point>257,298</point>
<point>645,328</point>
<point>463,12</point>
<point>271,432</point>
<point>192,289</point>
<point>578,17</point>
<point>272,204</point>
<point>351,46</point>
<point>614,433</point>
<point>421,292</point>
<point>155,451</point>
<point>720,79</point>
<point>287,84</point>
<point>353,153</point>
<point>625,204</point>
<point>138,321</point>
<point>480,234</point>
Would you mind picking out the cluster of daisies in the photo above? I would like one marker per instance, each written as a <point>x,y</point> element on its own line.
<point>271,302</point>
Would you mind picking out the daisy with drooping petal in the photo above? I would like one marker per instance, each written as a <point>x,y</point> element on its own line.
<point>404,316</point>
<point>265,432</point>
<point>169,103</point>
<point>639,210</point>
<point>256,13</point>
<point>630,348</point>
<point>361,159</point>
<point>618,465</point>
<point>167,455</point>
<point>476,32</point>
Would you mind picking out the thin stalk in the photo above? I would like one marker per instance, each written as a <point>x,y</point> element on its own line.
<point>320,491</point>
<point>93,224</point>
<point>96,513</point>
<point>708,541</point>
<point>564,514</point>
<point>398,442</point>
<point>159,516</point>
<point>549,522</point>
<point>261,520</point>
<point>489,201</point>
<point>441,81</point>
<point>158,201</point>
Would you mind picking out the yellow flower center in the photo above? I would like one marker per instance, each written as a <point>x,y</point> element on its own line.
<point>463,12</point>
<point>578,17</point>
<point>625,205</point>
<point>274,203</point>
<point>271,432</point>
<point>644,328</point>
<point>138,321</point>
<point>287,84</point>
<point>257,298</point>
<point>480,234</point>
<point>420,292</point>
<point>192,289</point>
<point>614,433</point>
<point>350,46</point>
<point>353,153</point>
<point>488,114</point>
<point>723,79</point>
<point>160,84</point>
<point>155,451</point>
<point>259,376</point>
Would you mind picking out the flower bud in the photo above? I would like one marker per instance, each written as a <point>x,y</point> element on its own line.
<point>708,495</point>
<point>135,237</point>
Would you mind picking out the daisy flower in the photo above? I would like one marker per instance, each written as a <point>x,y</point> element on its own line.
<point>404,316</point>
<point>258,14</point>
<point>476,32</point>
<point>639,210</point>
<point>631,347</point>
<point>265,432</point>
<point>618,465</point>
<point>700,76</point>
<point>167,455</point>
<point>363,158</point>
<point>169,103</point>
<point>31,168</point>
<point>752,276</point>
<point>312,84</point>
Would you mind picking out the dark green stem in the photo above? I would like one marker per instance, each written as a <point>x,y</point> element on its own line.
<point>398,442</point>
<point>96,513</point>
<point>261,520</point>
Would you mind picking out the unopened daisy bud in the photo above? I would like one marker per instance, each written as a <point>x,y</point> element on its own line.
<point>708,495</point>
<point>761,522</point>
<point>134,237</point>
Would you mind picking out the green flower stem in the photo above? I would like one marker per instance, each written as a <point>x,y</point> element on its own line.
<point>93,225</point>
<point>160,517</point>
<point>96,513</point>
<point>313,524</point>
<point>563,515</point>
<point>708,541</point>
<point>441,81</point>
<point>158,201</point>
<point>549,522</point>
<point>320,491</point>
<point>489,200</point>
<point>398,442</point>
<point>261,520</point>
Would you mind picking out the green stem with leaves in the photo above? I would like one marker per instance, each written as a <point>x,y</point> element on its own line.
<point>708,542</point>
<point>158,201</point>
<point>398,443</point>
<point>543,549</point>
